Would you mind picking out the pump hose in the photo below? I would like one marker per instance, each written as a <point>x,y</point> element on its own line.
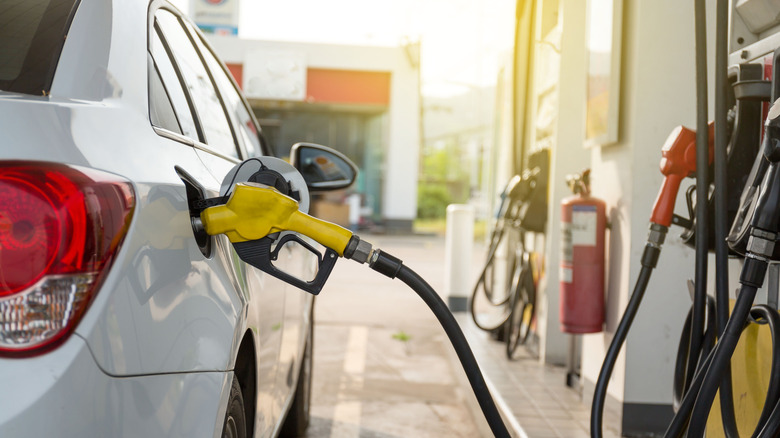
<point>768,424</point>
<point>679,421</point>
<point>649,259</point>
<point>485,281</point>
<point>682,364</point>
<point>720,200</point>
<point>392,267</point>
<point>765,314</point>
<point>702,191</point>
<point>714,373</point>
<point>684,372</point>
<point>772,426</point>
<point>760,314</point>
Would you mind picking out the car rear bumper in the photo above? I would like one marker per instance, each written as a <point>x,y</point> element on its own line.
<point>64,394</point>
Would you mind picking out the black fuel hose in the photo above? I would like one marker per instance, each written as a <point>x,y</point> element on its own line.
<point>772,427</point>
<point>676,428</point>
<point>392,267</point>
<point>720,199</point>
<point>768,424</point>
<point>764,313</point>
<point>649,261</point>
<point>702,192</point>
<point>485,283</point>
<point>681,366</point>
<point>721,359</point>
<point>763,232</point>
<point>505,218</point>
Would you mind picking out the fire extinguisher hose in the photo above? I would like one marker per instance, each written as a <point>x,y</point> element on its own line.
<point>649,260</point>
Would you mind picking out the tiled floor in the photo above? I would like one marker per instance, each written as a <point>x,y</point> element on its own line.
<point>533,396</point>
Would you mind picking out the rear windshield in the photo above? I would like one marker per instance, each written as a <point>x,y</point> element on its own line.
<point>32,33</point>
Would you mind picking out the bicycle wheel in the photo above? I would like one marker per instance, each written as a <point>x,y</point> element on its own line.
<point>521,315</point>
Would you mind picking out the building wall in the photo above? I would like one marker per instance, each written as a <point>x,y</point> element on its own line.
<point>402,141</point>
<point>562,76</point>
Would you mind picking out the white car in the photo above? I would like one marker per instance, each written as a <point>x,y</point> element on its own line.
<point>114,319</point>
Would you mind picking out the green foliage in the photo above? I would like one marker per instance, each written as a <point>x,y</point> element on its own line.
<point>432,201</point>
<point>445,164</point>
<point>444,179</point>
<point>402,336</point>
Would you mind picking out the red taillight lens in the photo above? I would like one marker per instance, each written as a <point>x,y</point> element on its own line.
<point>60,227</point>
<point>29,234</point>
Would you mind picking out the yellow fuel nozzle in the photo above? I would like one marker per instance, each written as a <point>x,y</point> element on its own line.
<point>254,211</point>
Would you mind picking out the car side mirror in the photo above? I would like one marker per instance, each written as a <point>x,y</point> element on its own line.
<point>323,168</point>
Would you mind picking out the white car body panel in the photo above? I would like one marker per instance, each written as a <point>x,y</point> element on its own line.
<point>154,353</point>
<point>80,400</point>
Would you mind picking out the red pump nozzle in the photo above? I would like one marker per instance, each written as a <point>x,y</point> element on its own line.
<point>678,161</point>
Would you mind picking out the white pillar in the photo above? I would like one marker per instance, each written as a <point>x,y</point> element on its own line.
<point>459,244</point>
<point>354,202</point>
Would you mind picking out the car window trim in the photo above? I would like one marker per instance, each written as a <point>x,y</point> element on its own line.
<point>183,139</point>
<point>199,143</point>
<point>221,92</point>
<point>165,89</point>
<point>188,32</point>
<point>191,103</point>
<point>237,89</point>
<point>182,82</point>
<point>206,148</point>
<point>175,136</point>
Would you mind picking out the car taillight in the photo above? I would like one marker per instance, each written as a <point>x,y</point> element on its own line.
<point>60,227</point>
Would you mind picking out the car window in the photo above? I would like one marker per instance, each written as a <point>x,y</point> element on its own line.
<point>32,33</point>
<point>160,108</point>
<point>242,120</point>
<point>172,88</point>
<point>210,113</point>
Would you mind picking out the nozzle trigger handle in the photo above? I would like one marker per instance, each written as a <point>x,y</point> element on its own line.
<point>678,161</point>
<point>258,253</point>
<point>663,209</point>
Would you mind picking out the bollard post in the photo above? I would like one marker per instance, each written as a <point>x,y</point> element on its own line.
<point>353,201</point>
<point>458,246</point>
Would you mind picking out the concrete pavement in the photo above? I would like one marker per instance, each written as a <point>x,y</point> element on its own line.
<point>381,364</point>
<point>384,367</point>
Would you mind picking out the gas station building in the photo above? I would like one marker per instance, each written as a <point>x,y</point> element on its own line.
<point>361,101</point>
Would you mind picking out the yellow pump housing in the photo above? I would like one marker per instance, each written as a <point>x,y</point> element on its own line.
<point>254,211</point>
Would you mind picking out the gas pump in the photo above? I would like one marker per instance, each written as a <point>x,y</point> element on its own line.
<point>745,197</point>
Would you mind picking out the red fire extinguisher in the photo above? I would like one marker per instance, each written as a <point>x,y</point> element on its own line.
<point>583,226</point>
